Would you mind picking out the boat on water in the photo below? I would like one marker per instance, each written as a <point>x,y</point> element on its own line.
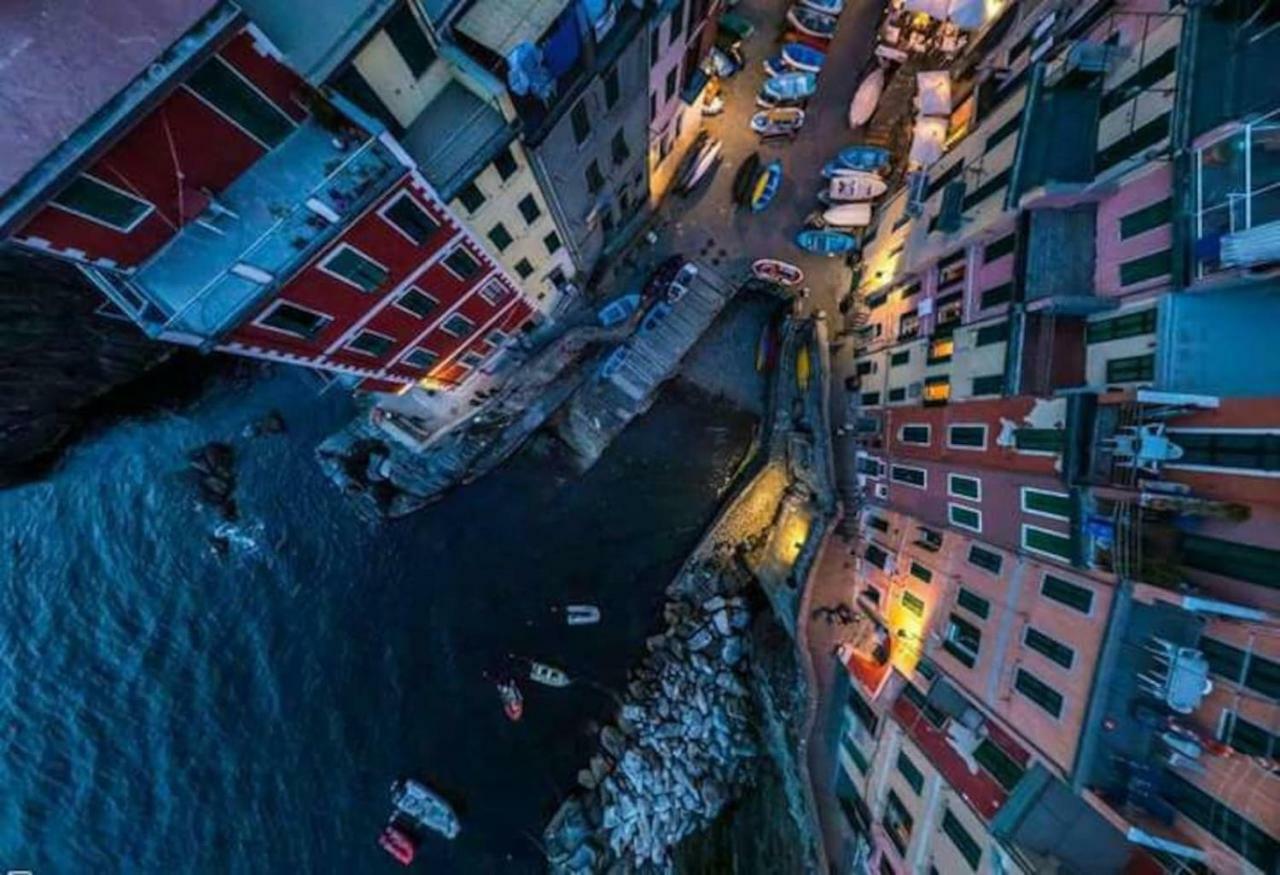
<point>398,843</point>
<point>789,87</point>
<point>777,122</point>
<point>512,699</point>
<point>809,21</point>
<point>581,615</point>
<point>705,168</point>
<point>767,183</point>
<point>826,242</point>
<point>856,185</point>
<point>856,215</point>
<point>745,178</point>
<point>618,310</point>
<point>864,157</point>
<point>804,368</point>
<point>424,808</point>
<point>866,98</point>
<point>774,270</point>
<point>799,56</point>
<point>547,675</point>
<point>826,7</point>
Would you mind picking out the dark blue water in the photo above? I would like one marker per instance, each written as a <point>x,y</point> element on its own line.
<point>167,711</point>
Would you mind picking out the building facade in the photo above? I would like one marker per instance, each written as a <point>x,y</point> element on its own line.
<point>1062,435</point>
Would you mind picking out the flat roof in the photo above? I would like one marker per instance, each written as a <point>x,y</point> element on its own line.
<point>316,36</point>
<point>501,25</point>
<point>62,62</point>
<point>455,137</point>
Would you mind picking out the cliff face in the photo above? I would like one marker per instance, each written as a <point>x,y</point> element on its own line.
<point>63,365</point>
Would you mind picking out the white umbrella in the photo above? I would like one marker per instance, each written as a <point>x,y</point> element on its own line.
<point>927,140</point>
<point>933,92</point>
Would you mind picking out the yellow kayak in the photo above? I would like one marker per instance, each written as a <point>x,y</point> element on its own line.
<point>803,368</point>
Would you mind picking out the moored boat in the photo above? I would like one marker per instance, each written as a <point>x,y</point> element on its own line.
<point>826,242</point>
<point>424,808</point>
<point>789,87</point>
<point>826,7</point>
<point>398,844</point>
<point>848,215</point>
<point>776,122</point>
<point>618,311</point>
<point>809,21</point>
<point>866,98</point>
<point>581,615</point>
<point>801,57</point>
<point>768,181</point>
<point>745,179</point>
<point>512,699</point>
<point>547,675</point>
<point>613,363</point>
<point>777,271</point>
<point>856,185</point>
<point>709,158</point>
<point>864,157</point>
<point>690,159</point>
<point>804,368</point>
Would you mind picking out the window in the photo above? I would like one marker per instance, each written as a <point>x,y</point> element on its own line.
<point>1263,676</point>
<point>914,777</point>
<point>999,764</point>
<point>1049,647</point>
<point>1038,440</point>
<point>915,434</point>
<point>458,325</point>
<point>1248,449</point>
<point>420,357</point>
<point>1224,660</point>
<point>1074,596</point>
<point>996,295</point>
<point>103,203</point>
<point>612,87</point>
<point>878,523</point>
<point>529,209</point>
<point>493,293</point>
<point>552,242</point>
<point>913,603</point>
<point>916,477</point>
<point>936,390</point>
<point>968,848</point>
<point>919,572</point>
<point>1231,559</point>
<point>496,337</point>
<point>1152,71</point>
<point>900,358</point>
<point>931,712</point>
<point>471,197</point>
<point>654,47</point>
<point>991,385</point>
<point>1131,369</point>
<point>677,22</point>
<point>618,147</point>
<point>988,188</point>
<point>1127,146</point>
<point>1248,738</point>
<point>1045,542</point>
<point>1039,692</point>
<point>940,351</point>
<point>973,603</point>
<point>962,641</point>
<point>967,437</point>
<point>897,822</point>
<point>294,320</point>
<point>1153,216</point>
<point>1229,826</point>
<point>500,236</point>
<point>1000,248</point>
<point>869,399</point>
<point>406,34</point>
<point>1148,267</point>
<point>371,343</point>
<point>1120,327</point>
<point>898,394</point>
<point>1055,505</point>
<point>985,559</point>
<point>876,556</point>
<point>409,219</point>
<point>505,163</point>
<point>964,517</point>
<point>471,360</point>
<point>858,758</point>
<point>581,121</point>
<point>354,267</point>
<point>595,179</point>
<point>864,368</point>
<point>962,486</point>
<point>671,82</point>
<point>524,268</point>
<point>417,302</point>
<point>231,95</point>
<point>989,334</point>
<point>462,263</point>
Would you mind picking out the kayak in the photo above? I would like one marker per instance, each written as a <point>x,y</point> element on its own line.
<point>864,157</point>
<point>768,181</point>
<point>708,159</point>
<point>744,180</point>
<point>813,23</point>
<point>799,56</point>
<point>804,368</point>
<point>775,271</point>
<point>789,87</point>
<point>866,98</point>
<point>826,242</point>
<point>773,122</point>
<point>848,215</point>
<point>856,185</point>
<point>690,159</point>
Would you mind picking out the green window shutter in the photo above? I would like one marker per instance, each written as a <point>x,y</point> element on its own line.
<point>996,295</point>
<point>1002,767</point>
<point>913,603</point>
<point>1131,369</point>
<point>410,218</point>
<point>348,263</point>
<point>1126,147</point>
<point>974,603</point>
<point>1043,440</point>
<point>1148,267</point>
<point>462,263</point>
<point>856,755</point>
<point>1038,691</point>
<point>1249,738</point>
<point>998,249</point>
<point>405,32</point>
<point>985,559</point>
<point>224,88</point>
<point>963,640</point>
<point>870,399</point>
<point>102,202</point>
<point>876,556</point>
<point>992,385</point>
<point>915,434</point>
<point>966,487</point>
<point>964,517</point>
<point>1120,327</point>
<point>1263,676</point>
<point>1231,559</point>
<point>1002,133</point>
<point>913,776</point>
<point>1225,660</point>
<point>1147,218</point>
<point>1042,541</point>
<point>968,848</point>
<point>1049,647</point>
<point>1227,825</point>
<point>990,334</point>
<point>987,189</point>
<point>1048,503</point>
<point>899,394</point>
<point>1067,593</point>
<point>900,358</point>
<point>967,435</point>
<point>919,572</point>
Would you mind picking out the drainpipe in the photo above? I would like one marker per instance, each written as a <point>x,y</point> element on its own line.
<point>1180,146</point>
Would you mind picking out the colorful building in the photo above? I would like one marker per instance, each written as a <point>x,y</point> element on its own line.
<point>1064,448</point>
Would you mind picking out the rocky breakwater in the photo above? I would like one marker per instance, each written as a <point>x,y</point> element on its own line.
<point>684,742</point>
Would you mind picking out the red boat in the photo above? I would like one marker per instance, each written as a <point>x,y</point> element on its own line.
<point>781,272</point>
<point>398,844</point>
<point>512,700</point>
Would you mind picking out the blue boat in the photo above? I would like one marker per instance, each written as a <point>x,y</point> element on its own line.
<point>863,157</point>
<point>826,242</point>
<point>789,87</point>
<point>775,66</point>
<point>804,58</point>
<point>828,7</point>
<point>766,186</point>
<point>618,311</point>
<point>835,168</point>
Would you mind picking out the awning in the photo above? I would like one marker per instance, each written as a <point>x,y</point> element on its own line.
<point>927,140</point>
<point>933,92</point>
<point>501,25</point>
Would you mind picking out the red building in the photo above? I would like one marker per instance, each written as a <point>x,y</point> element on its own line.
<point>220,201</point>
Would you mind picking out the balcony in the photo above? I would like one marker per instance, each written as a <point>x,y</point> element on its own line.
<point>254,235</point>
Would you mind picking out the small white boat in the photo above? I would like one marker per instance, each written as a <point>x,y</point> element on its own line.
<point>857,185</point>
<point>778,122</point>
<point>811,22</point>
<point>547,675</point>
<point>581,615</point>
<point>424,808</point>
<point>848,215</point>
<point>866,98</point>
